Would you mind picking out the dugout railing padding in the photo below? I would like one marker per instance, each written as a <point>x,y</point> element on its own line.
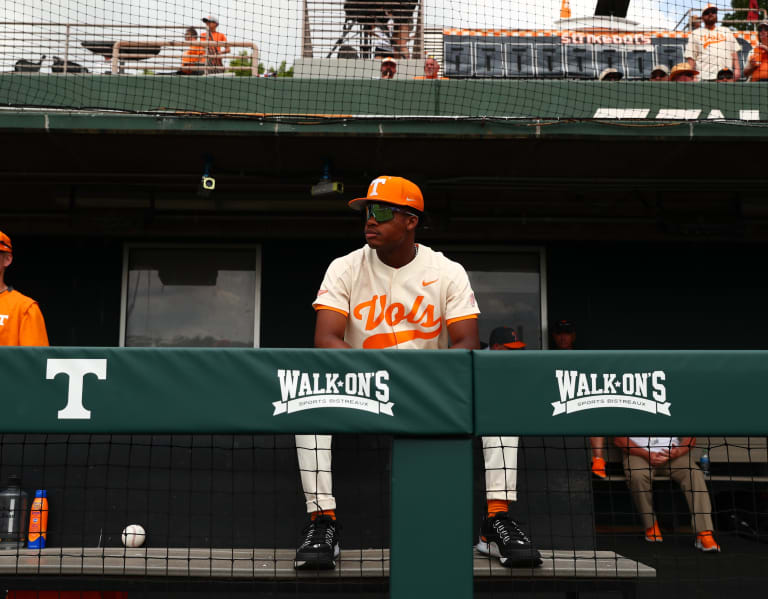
<point>432,402</point>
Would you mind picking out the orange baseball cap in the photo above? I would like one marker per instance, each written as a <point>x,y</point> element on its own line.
<point>392,190</point>
<point>506,337</point>
<point>5,243</point>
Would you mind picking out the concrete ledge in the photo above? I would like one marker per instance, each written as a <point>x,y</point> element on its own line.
<point>278,564</point>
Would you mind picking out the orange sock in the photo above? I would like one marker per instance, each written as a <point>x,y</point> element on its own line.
<point>495,506</point>
<point>331,513</point>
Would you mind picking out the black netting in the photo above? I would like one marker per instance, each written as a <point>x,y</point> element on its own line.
<point>431,59</point>
<point>223,516</point>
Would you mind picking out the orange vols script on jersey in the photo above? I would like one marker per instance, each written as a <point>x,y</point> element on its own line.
<point>376,310</point>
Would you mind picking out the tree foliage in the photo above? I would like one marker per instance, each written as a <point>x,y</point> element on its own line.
<point>241,67</point>
<point>741,15</point>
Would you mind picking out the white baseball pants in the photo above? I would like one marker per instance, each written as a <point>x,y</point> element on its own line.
<point>500,457</point>
<point>314,453</point>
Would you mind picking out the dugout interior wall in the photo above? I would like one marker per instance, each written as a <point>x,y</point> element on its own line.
<point>622,295</point>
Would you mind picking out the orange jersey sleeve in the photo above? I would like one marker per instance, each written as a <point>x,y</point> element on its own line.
<point>21,322</point>
<point>32,331</point>
<point>322,307</point>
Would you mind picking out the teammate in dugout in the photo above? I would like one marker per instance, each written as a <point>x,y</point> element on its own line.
<point>391,293</point>
<point>21,322</point>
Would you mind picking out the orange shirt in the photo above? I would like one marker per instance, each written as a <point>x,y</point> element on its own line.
<point>21,322</point>
<point>760,55</point>
<point>193,56</point>
<point>215,37</point>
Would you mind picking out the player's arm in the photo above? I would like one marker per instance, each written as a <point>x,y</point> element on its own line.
<point>736,66</point>
<point>329,329</point>
<point>463,334</point>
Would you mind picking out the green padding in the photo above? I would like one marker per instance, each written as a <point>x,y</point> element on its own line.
<point>236,390</point>
<point>348,98</point>
<point>621,392</point>
<point>431,519</point>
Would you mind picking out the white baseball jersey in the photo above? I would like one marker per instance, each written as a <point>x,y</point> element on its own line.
<point>712,50</point>
<point>406,308</point>
<point>656,444</point>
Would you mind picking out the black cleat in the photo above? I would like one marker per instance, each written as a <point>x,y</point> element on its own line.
<point>502,537</point>
<point>320,547</point>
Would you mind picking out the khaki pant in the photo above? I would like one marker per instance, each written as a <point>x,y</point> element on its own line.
<point>685,472</point>
<point>314,453</point>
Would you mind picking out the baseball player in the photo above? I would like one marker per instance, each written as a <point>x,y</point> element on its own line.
<point>21,322</point>
<point>391,293</point>
<point>501,535</point>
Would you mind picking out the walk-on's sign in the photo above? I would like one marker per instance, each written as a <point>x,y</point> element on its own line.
<point>644,391</point>
<point>415,392</point>
<point>235,390</point>
<point>620,392</point>
<point>367,391</point>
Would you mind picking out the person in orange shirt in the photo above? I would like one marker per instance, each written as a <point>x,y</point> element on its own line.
<point>214,63</point>
<point>21,322</point>
<point>193,60</point>
<point>757,61</point>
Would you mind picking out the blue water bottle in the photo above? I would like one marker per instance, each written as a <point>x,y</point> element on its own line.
<point>704,463</point>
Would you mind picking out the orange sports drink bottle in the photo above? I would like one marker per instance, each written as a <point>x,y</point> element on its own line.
<point>38,520</point>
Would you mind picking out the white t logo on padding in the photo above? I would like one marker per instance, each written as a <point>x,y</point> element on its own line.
<point>76,369</point>
<point>374,184</point>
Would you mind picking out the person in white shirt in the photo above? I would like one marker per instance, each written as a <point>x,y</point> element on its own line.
<point>390,294</point>
<point>645,457</point>
<point>711,48</point>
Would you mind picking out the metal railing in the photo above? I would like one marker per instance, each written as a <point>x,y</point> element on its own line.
<point>362,29</point>
<point>110,48</point>
<point>131,50</point>
<point>694,15</point>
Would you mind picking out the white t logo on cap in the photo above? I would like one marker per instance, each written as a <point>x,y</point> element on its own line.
<point>374,184</point>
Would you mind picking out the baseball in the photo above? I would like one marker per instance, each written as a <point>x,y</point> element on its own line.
<point>134,535</point>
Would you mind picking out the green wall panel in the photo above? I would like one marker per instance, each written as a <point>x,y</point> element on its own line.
<point>291,97</point>
<point>431,518</point>
<point>621,392</point>
<point>230,390</point>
